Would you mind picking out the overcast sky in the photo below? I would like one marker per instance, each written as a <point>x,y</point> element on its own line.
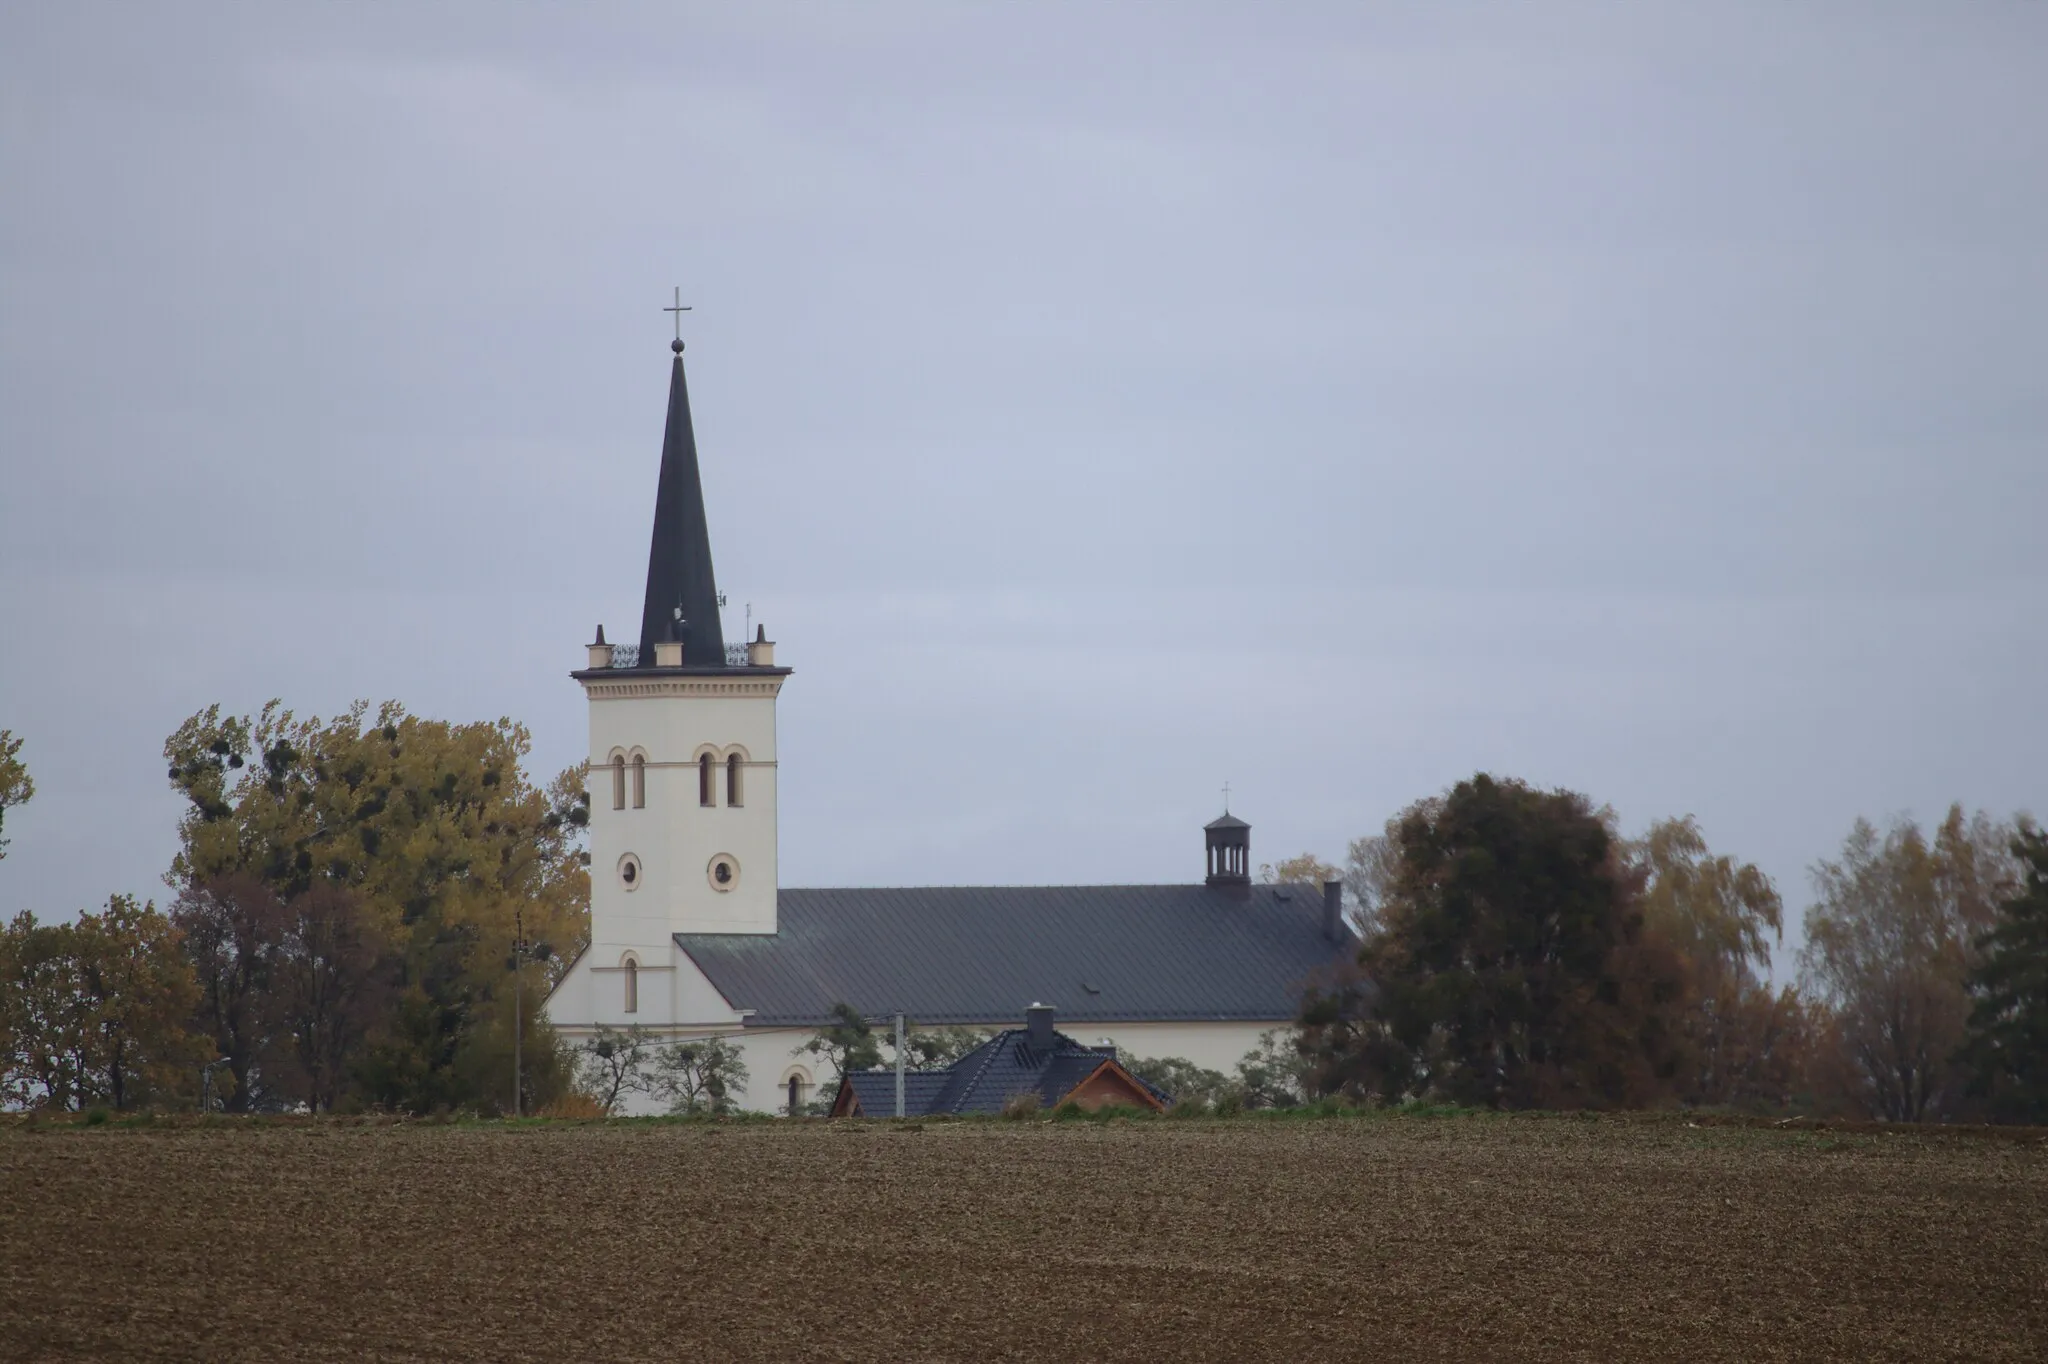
<point>1097,403</point>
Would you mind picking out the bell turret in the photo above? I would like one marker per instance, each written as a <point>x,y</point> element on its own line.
<point>1229,841</point>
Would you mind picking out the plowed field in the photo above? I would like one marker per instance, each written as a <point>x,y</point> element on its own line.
<point>1459,1238</point>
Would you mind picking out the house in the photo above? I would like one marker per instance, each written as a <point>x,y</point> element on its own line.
<point>1034,1062</point>
<point>692,935</point>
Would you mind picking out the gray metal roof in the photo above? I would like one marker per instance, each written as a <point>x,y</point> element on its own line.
<point>987,1078</point>
<point>980,954</point>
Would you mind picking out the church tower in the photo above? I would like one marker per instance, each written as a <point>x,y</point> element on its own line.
<point>682,743</point>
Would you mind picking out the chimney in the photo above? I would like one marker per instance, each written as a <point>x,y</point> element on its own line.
<point>668,652</point>
<point>600,652</point>
<point>761,652</point>
<point>1333,910</point>
<point>1038,1025</point>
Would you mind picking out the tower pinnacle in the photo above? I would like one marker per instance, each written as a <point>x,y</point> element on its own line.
<point>682,593</point>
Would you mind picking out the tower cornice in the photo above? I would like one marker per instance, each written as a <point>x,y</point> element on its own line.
<point>601,683</point>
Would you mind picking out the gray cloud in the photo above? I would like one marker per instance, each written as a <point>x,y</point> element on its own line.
<point>1095,406</point>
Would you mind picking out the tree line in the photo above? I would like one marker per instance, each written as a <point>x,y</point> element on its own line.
<point>368,911</point>
<point>1517,951</point>
<point>363,911</point>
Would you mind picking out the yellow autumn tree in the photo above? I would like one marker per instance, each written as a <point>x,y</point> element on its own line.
<point>1746,1043</point>
<point>445,847</point>
<point>1890,944</point>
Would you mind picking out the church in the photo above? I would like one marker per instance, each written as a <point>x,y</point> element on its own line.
<point>692,935</point>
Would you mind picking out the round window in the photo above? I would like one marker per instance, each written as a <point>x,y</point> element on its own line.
<point>723,873</point>
<point>629,872</point>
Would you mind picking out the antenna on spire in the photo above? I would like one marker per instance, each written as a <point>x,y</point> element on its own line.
<point>679,309</point>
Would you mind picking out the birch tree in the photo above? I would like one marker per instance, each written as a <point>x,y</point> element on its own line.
<point>1890,940</point>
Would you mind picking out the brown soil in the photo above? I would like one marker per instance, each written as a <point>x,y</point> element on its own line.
<point>1458,1238</point>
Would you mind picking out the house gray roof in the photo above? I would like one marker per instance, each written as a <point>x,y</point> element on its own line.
<point>987,1078</point>
<point>978,954</point>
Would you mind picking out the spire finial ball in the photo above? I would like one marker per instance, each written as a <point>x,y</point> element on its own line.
<point>676,346</point>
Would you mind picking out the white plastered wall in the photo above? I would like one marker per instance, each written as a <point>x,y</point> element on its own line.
<point>1214,1046</point>
<point>773,1054</point>
<point>676,837</point>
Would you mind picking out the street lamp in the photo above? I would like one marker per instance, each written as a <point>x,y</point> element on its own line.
<point>206,1083</point>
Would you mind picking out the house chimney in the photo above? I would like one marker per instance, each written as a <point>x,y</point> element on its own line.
<point>600,652</point>
<point>1038,1025</point>
<point>1333,910</point>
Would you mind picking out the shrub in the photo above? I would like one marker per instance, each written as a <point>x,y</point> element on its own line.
<point>573,1104</point>
<point>1021,1106</point>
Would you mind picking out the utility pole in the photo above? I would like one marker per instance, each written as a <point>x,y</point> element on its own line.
<point>899,1065</point>
<point>518,1006</point>
<point>522,953</point>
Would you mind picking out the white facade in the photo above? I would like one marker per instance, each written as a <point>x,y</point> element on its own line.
<point>682,807</point>
<point>634,974</point>
<point>682,840</point>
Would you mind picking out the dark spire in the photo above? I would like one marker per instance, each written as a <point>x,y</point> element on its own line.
<point>679,559</point>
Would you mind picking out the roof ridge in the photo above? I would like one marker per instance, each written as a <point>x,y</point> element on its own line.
<point>1058,885</point>
<point>991,1049</point>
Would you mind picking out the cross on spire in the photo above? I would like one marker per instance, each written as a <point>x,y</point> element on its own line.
<point>1226,798</point>
<point>679,309</point>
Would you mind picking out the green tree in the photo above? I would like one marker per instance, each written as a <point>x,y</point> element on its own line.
<point>1890,943</point>
<point>937,1048</point>
<point>98,1010</point>
<point>43,1002</point>
<point>2006,1047</point>
<point>613,1064</point>
<point>231,928</point>
<point>1274,1074</point>
<point>1372,863</point>
<point>699,1075</point>
<point>1512,967</point>
<point>1182,1081</point>
<point>16,788</point>
<point>434,829</point>
<point>329,983</point>
<point>844,1045</point>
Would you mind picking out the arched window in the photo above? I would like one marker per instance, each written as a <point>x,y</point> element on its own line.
<point>639,781</point>
<point>732,779</point>
<point>632,986</point>
<point>619,782</point>
<point>705,794</point>
<point>796,1096</point>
